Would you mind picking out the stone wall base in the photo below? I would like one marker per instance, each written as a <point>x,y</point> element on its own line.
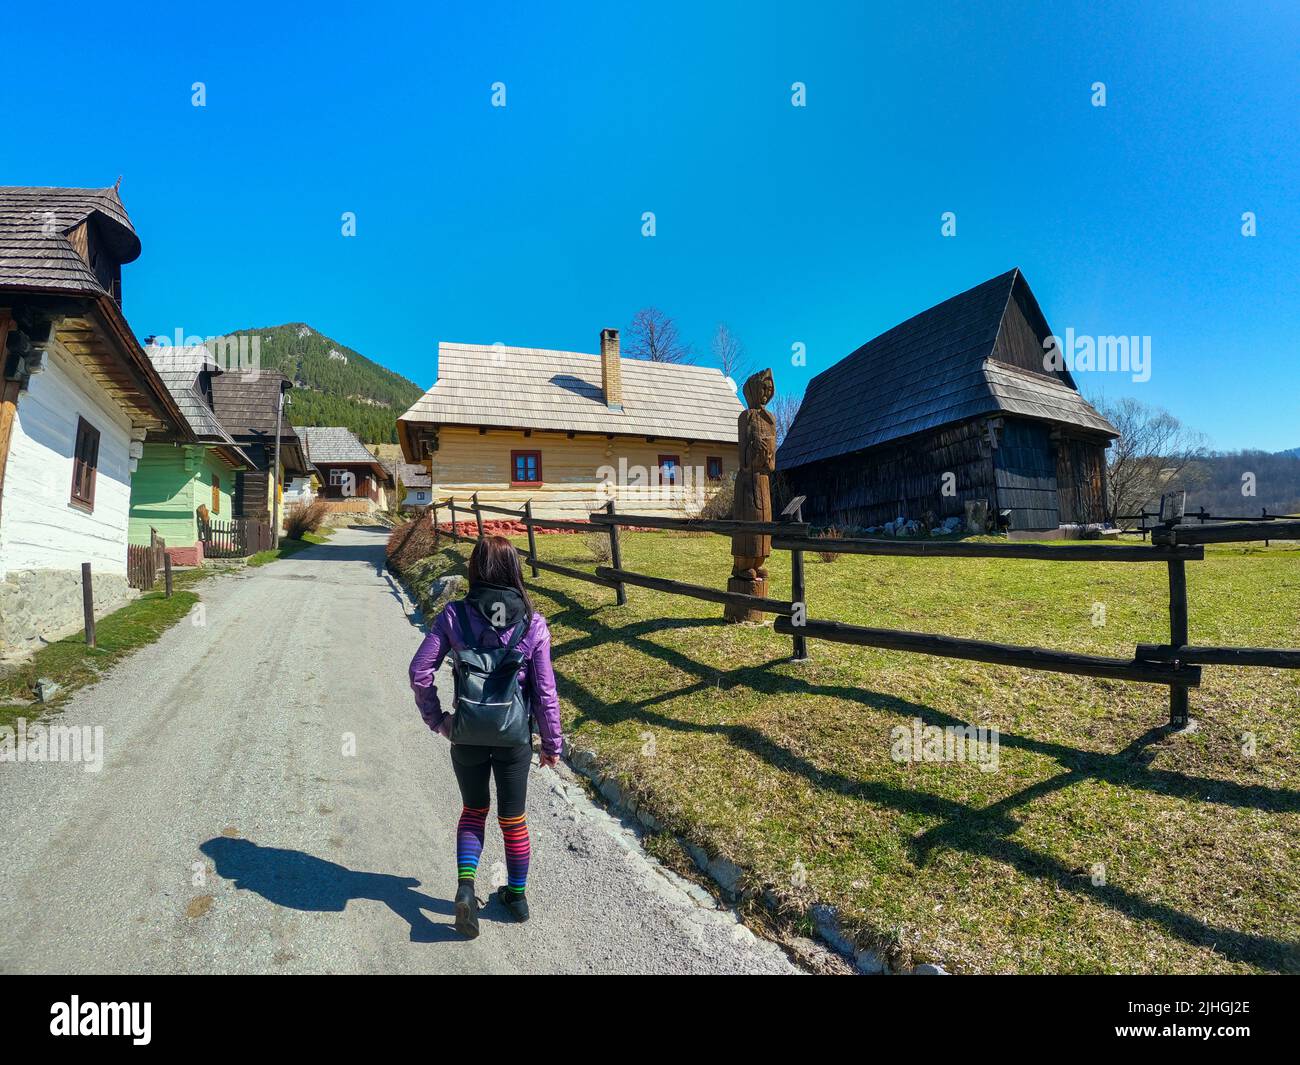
<point>186,556</point>
<point>40,606</point>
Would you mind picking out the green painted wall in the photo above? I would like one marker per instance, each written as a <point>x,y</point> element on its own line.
<point>167,487</point>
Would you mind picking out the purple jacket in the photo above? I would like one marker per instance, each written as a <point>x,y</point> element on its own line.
<point>536,678</point>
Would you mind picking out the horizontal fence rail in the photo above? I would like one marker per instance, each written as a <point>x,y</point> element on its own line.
<point>999,654</point>
<point>956,549</point>
<point>1176,664</point>
<point>1227,532</point>
<point>697,591</point>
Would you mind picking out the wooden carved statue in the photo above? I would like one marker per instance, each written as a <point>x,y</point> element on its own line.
<point>753,498</point>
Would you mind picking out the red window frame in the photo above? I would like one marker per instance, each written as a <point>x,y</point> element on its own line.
<point>676,466</point>
<point>85,465</point>
<point>713,467</point>
<point>515,456</point>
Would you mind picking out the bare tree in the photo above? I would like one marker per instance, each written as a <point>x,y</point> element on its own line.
<point>653,336</point>
<point>730,353</point>
<point>784,408</point>
<point>1155,454</point>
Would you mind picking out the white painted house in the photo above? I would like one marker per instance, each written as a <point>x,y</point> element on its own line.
<point>77,397</point>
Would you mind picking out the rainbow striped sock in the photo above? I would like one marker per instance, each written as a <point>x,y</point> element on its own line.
<point>469,841</point>
<point>514,830</point>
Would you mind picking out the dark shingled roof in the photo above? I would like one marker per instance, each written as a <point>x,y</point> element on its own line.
<point>932,370</point>
<point>246,403</point>
<point>35,252</point>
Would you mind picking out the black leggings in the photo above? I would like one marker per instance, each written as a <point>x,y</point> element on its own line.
<point>509,765</point>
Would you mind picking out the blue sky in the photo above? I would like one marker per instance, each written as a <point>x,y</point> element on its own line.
<point>817,225</point>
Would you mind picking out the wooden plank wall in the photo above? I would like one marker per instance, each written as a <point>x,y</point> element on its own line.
<point>467,462</point>
<point>905,478</point>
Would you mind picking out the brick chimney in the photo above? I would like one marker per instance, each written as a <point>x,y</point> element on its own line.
<point>611,378</point>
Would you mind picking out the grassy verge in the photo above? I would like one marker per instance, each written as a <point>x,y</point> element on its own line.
<point>72,665</point>
<point>1099,844</point>
<point>289,548</point>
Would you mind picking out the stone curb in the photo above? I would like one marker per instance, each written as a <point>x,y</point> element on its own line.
<point>727,875</point>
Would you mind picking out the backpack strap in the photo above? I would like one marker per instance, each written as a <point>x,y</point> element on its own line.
<point>521,630</point>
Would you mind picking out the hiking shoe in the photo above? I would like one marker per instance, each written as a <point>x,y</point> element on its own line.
<point>514,902</point>
<point>466,909</point>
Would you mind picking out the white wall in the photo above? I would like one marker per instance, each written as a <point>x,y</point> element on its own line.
<point>39,527</point>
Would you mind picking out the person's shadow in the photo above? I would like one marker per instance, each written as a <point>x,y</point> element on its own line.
<point>304,882</point>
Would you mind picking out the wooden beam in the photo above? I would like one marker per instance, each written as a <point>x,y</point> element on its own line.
<point>958,549</point>
<point>8,398</point>
<point>995,653</point>
<point>696,591</point>
<point>721,525</point>
<point>1227,533</point>
<point>1274,657</point>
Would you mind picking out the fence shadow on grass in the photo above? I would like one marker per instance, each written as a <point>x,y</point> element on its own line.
<point>984,831</point>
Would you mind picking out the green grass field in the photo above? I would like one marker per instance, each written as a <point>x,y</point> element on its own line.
<point>1099,845</point>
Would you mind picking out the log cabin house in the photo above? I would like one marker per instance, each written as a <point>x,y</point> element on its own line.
<point>570,430</point>
<point>953,405</point>
<point>249,406</point>
<point>78,397</point>
<point>352,480</point>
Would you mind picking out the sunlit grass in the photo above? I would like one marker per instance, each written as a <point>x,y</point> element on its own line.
<point>1099,845</point>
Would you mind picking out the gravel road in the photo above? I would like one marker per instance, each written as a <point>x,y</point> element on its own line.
<point>270,801</point>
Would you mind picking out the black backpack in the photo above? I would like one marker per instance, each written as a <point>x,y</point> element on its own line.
<point>490,706</point>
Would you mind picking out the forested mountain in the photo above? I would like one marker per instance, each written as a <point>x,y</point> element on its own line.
<point>333,384</point>
<point>1218,480</point>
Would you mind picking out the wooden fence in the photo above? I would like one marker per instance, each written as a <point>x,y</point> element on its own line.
<point>234,539</point>
<point>144,561</point>
<point>1151,519</point>
<point>1174,544</point>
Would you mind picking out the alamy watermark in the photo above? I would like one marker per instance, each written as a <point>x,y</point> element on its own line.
<point>1102,354</point>
<point>37,744</point>
<point>240,354</point>
<point>919,742</point>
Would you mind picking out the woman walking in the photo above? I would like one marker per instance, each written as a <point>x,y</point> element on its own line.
<point>505,689</point>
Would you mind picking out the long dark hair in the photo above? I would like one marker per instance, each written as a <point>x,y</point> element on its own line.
<point>495,561</point>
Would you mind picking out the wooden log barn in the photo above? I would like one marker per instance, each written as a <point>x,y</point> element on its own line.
<point>953,405</point>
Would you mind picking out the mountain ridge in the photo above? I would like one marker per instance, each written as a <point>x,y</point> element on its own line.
<point>333,383</point>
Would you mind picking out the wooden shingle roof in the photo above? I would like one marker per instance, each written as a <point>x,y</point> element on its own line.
<point>35,252</point>
<point>246,403</point>
<point>535,388</point>
<point>934,369</point>
<point>334,444</point>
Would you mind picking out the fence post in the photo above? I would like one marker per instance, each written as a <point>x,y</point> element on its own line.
<point>478,515</point>
<point>1178,701</point>
<point>797,593</point>
<point>616,556</point>
<point>88,604</point>
<point>433,518</point>
<point>167,573</point>
<point>794,512</point>
<point>532,538</point>
<point>451,502</point>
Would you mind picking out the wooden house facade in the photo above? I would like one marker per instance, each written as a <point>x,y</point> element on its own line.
<point>78,397</point>
<point>350,477</point>
<point>175,483</point>
<point>571,430</point>
<point>953,405</point>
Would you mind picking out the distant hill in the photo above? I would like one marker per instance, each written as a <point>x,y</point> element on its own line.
<point>335,385</point>
<point>1216,483</point>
